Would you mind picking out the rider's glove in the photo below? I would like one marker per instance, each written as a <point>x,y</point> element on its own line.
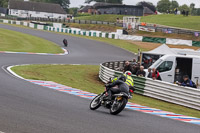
<point>106,85</point>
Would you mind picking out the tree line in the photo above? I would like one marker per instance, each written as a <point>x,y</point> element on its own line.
<point>164,6</point>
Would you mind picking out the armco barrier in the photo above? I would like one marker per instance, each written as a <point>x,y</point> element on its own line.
<point>172,93</point>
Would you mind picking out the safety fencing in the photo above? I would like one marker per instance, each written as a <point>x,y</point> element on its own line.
<point>112,35</point>
<point>168,29</point>
<point>172,93</point>
<point>57,20</point>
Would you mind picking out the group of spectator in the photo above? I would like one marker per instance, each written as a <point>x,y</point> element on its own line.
<point>138,70</point>
<point>185,13</point>
<point>176,11</point>
<point>134,67</point>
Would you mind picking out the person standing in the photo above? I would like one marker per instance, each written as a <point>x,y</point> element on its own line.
<point>150,73</point>
<point>141,72</point>
<point>155,74</point>
<point>128,67</point>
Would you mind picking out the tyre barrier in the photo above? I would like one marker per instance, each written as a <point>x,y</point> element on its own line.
<point>185,96</point>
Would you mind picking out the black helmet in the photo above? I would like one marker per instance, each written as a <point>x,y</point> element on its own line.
<point>122,77</point>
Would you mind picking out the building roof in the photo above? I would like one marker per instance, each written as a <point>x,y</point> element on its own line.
<point>148,11</point>
<point>36,6</point>
<point>117,5</point>
<point>99,4</point>
<point>3,10</point>
<point>85,8</point>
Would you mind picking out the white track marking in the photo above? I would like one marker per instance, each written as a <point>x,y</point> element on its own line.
<point>10,72</point>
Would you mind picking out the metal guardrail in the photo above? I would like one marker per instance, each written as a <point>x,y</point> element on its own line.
<point>62,20</point>
<point>185,96</point>
<point>172,30</point>
<point>106,72</point>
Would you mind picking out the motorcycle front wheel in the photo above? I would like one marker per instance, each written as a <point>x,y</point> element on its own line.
<point>96,102</point>
<point>118,106</point>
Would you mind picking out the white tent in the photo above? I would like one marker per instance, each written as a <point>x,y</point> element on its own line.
<point>162,50</point>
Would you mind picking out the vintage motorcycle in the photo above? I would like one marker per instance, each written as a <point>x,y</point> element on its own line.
<point>115,105</point>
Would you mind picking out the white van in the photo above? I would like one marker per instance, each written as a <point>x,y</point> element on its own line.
<point>172,68</point>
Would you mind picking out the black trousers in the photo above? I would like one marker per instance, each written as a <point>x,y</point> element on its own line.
<point>112,91</point>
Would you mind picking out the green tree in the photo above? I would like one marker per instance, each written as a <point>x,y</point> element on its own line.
<point>4,3</point>
<point>192,9</point>
<point>184,7</point>
<point>198,12</point>
<point>174,4</point>
<point>73,11</point>
<point>192,5</point>
<point>163,6</point>
<point>106,1</point>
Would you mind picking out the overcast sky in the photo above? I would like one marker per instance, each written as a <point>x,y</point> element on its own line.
<point>77,3</point>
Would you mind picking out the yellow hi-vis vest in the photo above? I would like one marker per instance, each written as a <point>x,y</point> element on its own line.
<point>129,80</point>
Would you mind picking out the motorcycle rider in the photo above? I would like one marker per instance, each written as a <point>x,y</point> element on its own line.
<point>121,87</point>
<point>129,80</point>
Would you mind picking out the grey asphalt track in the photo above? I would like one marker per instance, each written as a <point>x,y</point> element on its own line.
<point>29,108</point>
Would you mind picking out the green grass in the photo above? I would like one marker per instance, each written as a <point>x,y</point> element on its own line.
<point>108,18</point>
<point>85,77</point>
<point>19,42</point>
<point>98,27</point>
<point>190,22</point>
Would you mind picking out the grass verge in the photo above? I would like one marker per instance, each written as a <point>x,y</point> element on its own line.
<point>98,27</point>
<point>104,17</point>
<point>190,22</point>
<point>19,42</point>
<point>85,77</point>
